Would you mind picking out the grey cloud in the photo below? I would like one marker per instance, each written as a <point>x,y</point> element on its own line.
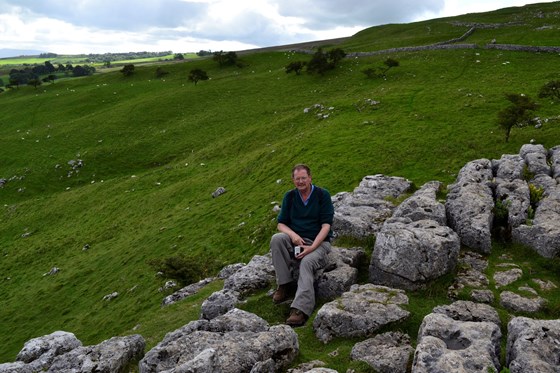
<point>113,14</point>
<point>326,14</point>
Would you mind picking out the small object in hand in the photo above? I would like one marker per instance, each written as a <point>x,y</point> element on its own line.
<point>297,250</point>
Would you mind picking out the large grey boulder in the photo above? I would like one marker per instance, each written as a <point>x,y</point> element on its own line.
<point>231,343</point>
<point>257,274</point>
<point>62,352</point>
<point>447,345</point>
<point>514,195</point>
<point>543,233</point>
<point>43,350</point>
<point>409,254</point>
<point>533,345</point>
<point>469,205</point>
<point>423,205</point>
<point>387,353</point>
<point>111,356</point>
<point>509,167</point>
<point>554,155</point>
<point>340,274</point>
<point>362,212</point>
<point>219,303</point>
<point>535,156</point>
<point>360,312</point>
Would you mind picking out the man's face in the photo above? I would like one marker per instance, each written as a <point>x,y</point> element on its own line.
<point>302,180</point>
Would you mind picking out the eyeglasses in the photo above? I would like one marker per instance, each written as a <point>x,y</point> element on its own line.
<point>299,179</point>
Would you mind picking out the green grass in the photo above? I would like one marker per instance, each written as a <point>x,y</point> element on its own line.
<point>155,149</point>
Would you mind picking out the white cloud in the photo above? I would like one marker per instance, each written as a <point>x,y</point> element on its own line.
<point>98,26</point>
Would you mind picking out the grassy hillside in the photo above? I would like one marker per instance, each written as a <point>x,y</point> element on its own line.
<point>153,151</point>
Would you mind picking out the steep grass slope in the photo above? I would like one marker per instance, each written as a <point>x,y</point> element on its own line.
<point>153,151</point>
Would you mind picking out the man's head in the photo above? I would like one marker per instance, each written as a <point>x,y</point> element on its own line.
<point>301,176</point>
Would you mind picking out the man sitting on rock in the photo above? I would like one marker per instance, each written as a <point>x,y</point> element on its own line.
<point>304,222</point>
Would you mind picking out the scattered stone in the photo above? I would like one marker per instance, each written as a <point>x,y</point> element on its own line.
<point>482,296</point>
<point>545,285</point>
<point>111,296</point>
<point>360,312</point>
<point>386,353</point>
<point>447,345</point>
<point>231,343</point>
<point>504,278</point>
<point>229,270</point>
<point>85,247</point>
<point>218,192</point>
<point>53,271</point>
<point>469,311</point>
<point>306,367</point>
<point>185,292</point>
<point>517,303</point>
<point>533,345</point>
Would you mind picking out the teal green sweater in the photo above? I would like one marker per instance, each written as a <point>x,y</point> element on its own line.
<point>307,220</point>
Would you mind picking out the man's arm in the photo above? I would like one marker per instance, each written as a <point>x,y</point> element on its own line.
<point>296,239</point>
<point>323,233</point>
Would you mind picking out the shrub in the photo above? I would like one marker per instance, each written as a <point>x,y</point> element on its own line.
<point>184,269</point>
<point>197,74</point>
<point>127,70</point>
<point>550,90</point>
<point>517,114</point>
<point>296,66</point>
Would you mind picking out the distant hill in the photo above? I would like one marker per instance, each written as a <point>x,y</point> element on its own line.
<point>5,52</point>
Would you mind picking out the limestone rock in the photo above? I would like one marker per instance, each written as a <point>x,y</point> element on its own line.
<point>514,195</point>
<point>112,355</point>
<point>469,311</point>
<point>408,254</point>
<point>517,303</point>
<point>423,205</point>
<point>533,345</point>
<point>509,167</point>
<point>340,274</point>
<point>469,205</point>
<point>186,291</point>
<point>386,353</point>
<point>447,345</point>
<point>360,312</point>
<point>554,154</point>
<point>362,212</point>
<point>219,303</point>
<point>503,278</point>
<point>257,274</point>
<point>231,343</point>
<point>47,347</point>
<point>535,157</point>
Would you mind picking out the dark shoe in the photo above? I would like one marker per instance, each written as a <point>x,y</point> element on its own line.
<point>281,294</point>
<point>297,318</point>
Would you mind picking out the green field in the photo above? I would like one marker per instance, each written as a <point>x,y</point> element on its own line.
<point>153,151</point>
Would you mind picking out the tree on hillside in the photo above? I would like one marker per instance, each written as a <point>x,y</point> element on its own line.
<point>517,114</point>
<point>34,82</point>
<point>225,59</point>
<point>197,74</point>
<point>550,90</point>
<point>160,73</point>
<point>296,67</point>
<point>322,62</point>
<point>179,56</point>
<point>85,70</point>
<point>127,70</point>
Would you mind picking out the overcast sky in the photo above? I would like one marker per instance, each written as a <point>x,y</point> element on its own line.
<point>100,26</point>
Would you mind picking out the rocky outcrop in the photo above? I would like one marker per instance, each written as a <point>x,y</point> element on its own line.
<point>360,312</point>
<point>362,212</point>
<point>449,345</point>
<point>415,246</point>
<point>63,352</point>
<point>235,342</point>
<point>386,353</point>
<point>533,345</point>
<point>469,205</point>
